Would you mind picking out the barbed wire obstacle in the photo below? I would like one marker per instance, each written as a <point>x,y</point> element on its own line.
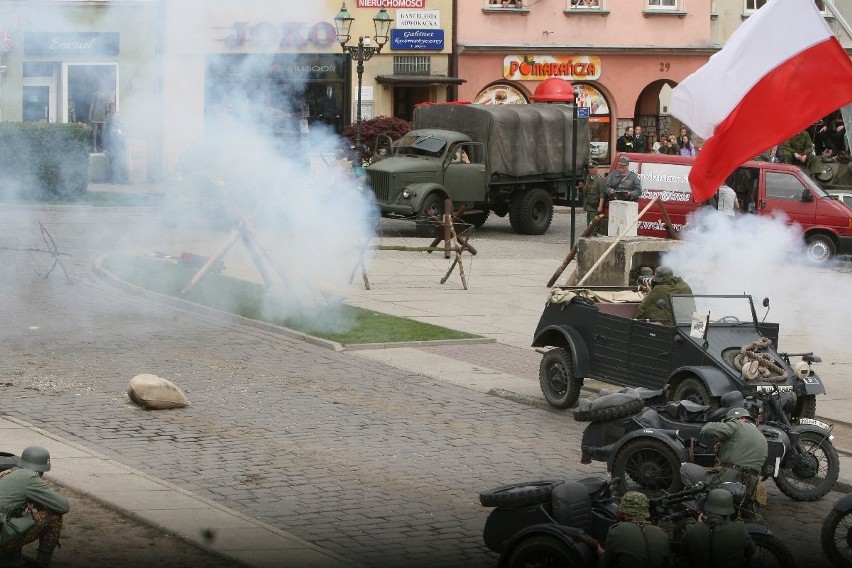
<point>449,229</point>
<point>51,249</point>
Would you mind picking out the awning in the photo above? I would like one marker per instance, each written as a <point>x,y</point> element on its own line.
<point>401,80</point>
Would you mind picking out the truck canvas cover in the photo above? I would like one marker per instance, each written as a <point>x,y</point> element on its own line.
<point>521,140</point>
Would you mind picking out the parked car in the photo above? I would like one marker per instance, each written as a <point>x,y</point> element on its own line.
<point>842,195</point>
<point>704,354</point>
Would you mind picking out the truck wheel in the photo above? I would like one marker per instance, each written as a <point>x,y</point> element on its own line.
<point>820,248</point>
<point>434,205</point>
<point>556,376</point>
<point>531,212</point>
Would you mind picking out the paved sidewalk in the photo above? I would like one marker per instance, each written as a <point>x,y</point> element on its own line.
<point>166,506</point>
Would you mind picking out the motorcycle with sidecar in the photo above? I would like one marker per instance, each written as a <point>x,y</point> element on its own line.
<point>646,448</point>
<point>554,523</point>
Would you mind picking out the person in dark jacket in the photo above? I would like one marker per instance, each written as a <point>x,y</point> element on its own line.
<point>640,142</point>
<point>32,510</point>
<point>663,284</point>
<point>716,540</point>
<point>625,143</point>
<point>633,541</point>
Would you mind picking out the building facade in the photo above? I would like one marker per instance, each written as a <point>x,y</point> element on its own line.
<point>622,56</point>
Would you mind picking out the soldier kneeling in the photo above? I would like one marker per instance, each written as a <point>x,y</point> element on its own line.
<point>29,509</point>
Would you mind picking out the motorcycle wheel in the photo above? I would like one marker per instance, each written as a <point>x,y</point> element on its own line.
<point>836,538</point>
<point>519,494</point>
<point>806,406</point>
<point>542,551</point>
<point>812,478</point>
<point>556,377</point>
<point>650,464</point>
<point>771,552</point>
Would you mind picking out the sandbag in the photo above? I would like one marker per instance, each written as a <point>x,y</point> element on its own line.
<point>151,391</point>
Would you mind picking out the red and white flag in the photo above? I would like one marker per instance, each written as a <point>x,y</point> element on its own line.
<point>779,72</point>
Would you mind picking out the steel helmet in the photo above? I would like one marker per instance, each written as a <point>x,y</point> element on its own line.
<point>736,413</point>
<point>35,458</point>
<point>719,502</point>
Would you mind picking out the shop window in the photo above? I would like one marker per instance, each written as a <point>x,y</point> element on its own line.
<point>90,96</point>
<point>600,120</point>
<point>752,5</point>
<point>585,4</point>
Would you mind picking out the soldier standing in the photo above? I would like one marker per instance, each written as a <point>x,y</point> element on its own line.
<point>633,541</point>
<point>593,194</point>
<point>623,184</point>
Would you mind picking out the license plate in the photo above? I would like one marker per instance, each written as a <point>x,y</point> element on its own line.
<point>812,422</point>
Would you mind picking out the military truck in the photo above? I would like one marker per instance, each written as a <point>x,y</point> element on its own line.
<point>509,159</point>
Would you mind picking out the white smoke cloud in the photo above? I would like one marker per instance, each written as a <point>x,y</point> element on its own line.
<point>765,257</point>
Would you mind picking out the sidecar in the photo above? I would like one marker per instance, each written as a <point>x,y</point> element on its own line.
<point>549,523</point>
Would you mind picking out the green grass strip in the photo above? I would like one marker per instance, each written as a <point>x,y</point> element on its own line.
<point>335,321</point>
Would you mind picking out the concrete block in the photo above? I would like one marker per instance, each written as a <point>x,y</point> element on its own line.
<point>622,216</point>
<point>620,266</point>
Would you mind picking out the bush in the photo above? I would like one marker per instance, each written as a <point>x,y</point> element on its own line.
<point>39,160</point>
<point>371,129</point>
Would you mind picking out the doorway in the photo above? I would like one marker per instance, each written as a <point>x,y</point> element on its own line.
<point>405,98</point>
<point>39,101</point>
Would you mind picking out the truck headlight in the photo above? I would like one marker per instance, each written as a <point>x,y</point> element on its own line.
<point>407,193</point>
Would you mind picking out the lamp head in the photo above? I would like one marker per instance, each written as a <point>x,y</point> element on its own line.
<point>382,23</point>
<point>343,23</point>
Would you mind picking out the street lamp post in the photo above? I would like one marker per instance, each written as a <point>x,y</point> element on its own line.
<point>361,52</point>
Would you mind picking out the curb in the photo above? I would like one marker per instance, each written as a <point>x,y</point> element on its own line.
<point>228,316</point>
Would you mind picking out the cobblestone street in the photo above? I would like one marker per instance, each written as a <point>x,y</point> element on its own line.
<point>380,466</point>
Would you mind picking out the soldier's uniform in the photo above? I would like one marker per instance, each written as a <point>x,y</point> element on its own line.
<point>33,511</point>
<point>800,144</point>
<point>624,187</point>
<point>665,283</point>
<point>593,192</point>
<point>717,542</point>
<point>741,456</point>
<point>635,542</point>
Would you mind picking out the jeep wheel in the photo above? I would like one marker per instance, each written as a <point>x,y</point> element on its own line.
<point>531,212</point>
<point>432,205</point>
<point>476,219</point>
<point>693,389</point>
<point>556,376</point>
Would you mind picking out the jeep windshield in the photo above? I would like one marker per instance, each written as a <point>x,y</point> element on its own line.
<point>719,310</point>
<point>414,145</point>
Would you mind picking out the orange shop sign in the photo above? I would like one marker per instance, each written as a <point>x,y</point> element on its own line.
<point>540,67</point>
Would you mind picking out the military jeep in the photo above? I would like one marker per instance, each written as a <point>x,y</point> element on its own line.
<point>710,346</point>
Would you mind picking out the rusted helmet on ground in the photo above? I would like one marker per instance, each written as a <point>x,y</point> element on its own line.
<point>35,458</point>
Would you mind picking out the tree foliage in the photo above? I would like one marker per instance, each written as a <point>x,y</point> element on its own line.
<point>371,129</point>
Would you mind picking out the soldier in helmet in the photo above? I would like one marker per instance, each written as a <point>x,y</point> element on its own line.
<point>742,452</point>
<point>662,285</point>
<point>716,540</point>
<point>633,541</point>
<point>33,510</point>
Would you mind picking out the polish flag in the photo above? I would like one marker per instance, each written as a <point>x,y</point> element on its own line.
<point>779,72</point>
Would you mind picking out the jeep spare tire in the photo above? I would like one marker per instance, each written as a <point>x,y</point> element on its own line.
<point>519,494</point>
<point>620,408</point>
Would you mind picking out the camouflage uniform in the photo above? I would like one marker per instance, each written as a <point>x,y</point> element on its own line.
<point>717,541</point>
<point>23,491</point>
<point>635,542</point>
<point>669,285</point>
